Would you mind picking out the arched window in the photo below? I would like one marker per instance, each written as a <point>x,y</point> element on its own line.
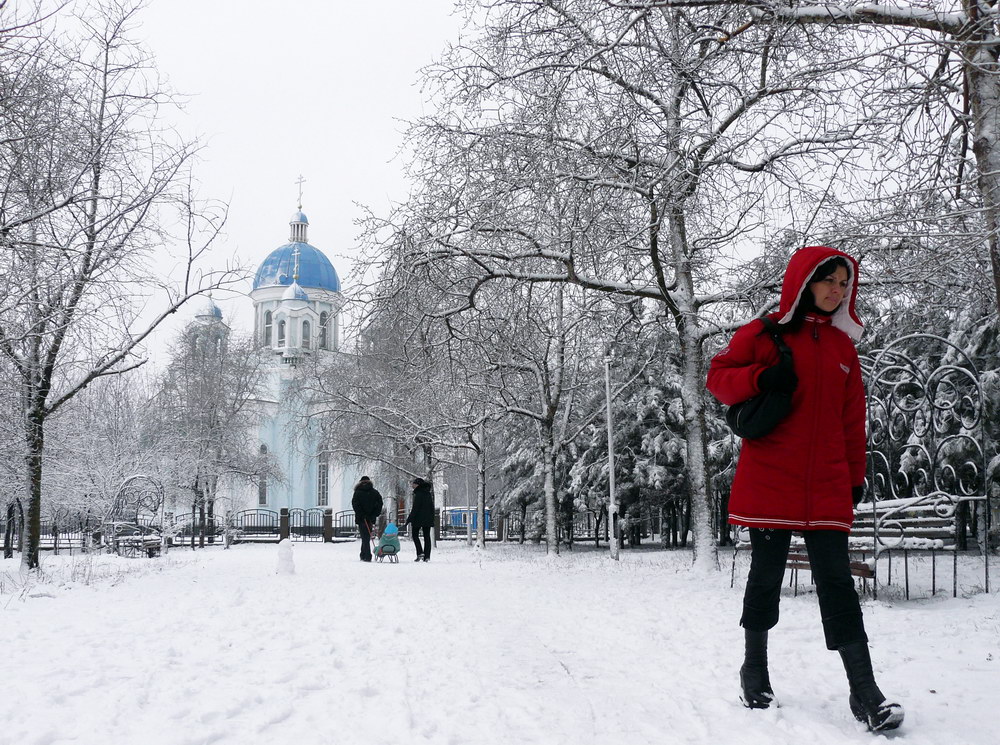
<point>267,328</point>
<point>323,480</point>
<point>306,335</point>
<point>262,485</point>
<point>281,333</point>
<point>323,338</point>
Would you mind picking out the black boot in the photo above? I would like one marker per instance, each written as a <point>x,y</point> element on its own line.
<point>868,704</point>
<point>757,693</point>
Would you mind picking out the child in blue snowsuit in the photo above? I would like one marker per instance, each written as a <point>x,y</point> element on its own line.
<point>388,544</point>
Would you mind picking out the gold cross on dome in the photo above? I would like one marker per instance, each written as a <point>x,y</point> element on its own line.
<point>300,181</point>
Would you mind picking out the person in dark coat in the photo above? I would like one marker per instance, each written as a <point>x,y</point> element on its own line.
<point>805,474</point>
<point>367,504</point>
<point>421,517</point>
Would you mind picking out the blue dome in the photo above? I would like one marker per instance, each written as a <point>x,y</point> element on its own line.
<point>315,270</point>
<point>205,307</point>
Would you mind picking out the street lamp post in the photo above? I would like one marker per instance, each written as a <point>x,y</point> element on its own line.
<point>468,507</point>
<point>612,501</point>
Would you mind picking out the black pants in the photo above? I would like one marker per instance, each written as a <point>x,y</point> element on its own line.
<point>366,541</point>
<point>830,564</point>
<point>424,550</point>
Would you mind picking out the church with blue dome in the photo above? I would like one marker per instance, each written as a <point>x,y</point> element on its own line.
<point>296,298</point>
<point>297,304</point>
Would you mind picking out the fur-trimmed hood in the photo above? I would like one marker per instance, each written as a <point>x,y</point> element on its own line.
<point>801,266</point>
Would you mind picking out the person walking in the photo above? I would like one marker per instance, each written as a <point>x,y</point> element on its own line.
<point>367,504</point>
<point>421,517</point>
<point>805,474</point>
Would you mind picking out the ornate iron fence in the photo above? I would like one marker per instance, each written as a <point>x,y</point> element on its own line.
<point>305,525</point>
<point>64,532</point>
<point>928,484</point>
<point>255,525</point>
<point>344,525</point>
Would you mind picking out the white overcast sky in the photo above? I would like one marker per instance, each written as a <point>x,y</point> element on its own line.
<point>308,87</point>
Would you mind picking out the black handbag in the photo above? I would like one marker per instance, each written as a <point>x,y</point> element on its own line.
<point>759,415</point>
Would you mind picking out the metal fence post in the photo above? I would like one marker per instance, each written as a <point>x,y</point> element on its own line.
<point>283,524</point>
<point>328,525</point>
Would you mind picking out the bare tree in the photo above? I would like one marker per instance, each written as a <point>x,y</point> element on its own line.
<point>948,56</point>
<point>90,188</point>
<point>394,401</point>
<point>204,419</point>
<point>626,152</point>
<point>95,442</point>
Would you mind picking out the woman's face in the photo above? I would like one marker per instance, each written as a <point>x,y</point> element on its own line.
<point>829,291</point>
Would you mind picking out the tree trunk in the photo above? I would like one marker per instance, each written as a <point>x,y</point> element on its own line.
<point>8,533</point>
<point>35,441</point>
<point>194,517</point>
<point>693,386</point>
<point>201,524</point>
<point>549,489</point>
<point>983,73</point>
<point>725,539</point>
<point>481,494</point>
<point>692,391</point>
<point>210,487</point>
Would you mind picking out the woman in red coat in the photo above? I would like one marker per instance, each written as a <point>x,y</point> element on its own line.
<point>808,472</point>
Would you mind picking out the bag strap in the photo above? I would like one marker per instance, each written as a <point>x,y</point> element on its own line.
<point>774,332</point>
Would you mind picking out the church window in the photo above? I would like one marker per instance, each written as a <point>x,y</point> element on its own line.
<point>262,485</point>
<point>306,335</point>
<point>324,343</point>
<point>323,481</point>
<point>267,328</point>
<point>281,333</point>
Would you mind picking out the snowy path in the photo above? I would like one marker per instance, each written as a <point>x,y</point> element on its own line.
<point>501,647</point>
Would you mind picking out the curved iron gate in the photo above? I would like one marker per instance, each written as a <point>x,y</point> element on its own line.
<point>927,452</point>
<point>305,525</point>
<point>256,525</point>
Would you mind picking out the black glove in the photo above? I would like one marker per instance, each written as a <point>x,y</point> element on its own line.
<point>857,493</point>
<point>779,378</point>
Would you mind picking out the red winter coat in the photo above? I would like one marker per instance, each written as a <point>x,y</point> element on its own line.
<point>799,476</point>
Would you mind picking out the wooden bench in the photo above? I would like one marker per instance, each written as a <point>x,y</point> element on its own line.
<point>798,558</point>
<point>132,540</point>
<point>925,525</point>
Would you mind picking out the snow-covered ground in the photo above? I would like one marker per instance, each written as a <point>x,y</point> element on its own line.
<point>501,646</point>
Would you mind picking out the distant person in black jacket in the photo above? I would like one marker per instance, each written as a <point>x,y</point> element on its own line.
<point>421,517</point>
<point>367,504</point>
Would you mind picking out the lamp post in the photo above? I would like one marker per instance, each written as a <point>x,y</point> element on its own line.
<point>612,501</point>
<point>468,507</point>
